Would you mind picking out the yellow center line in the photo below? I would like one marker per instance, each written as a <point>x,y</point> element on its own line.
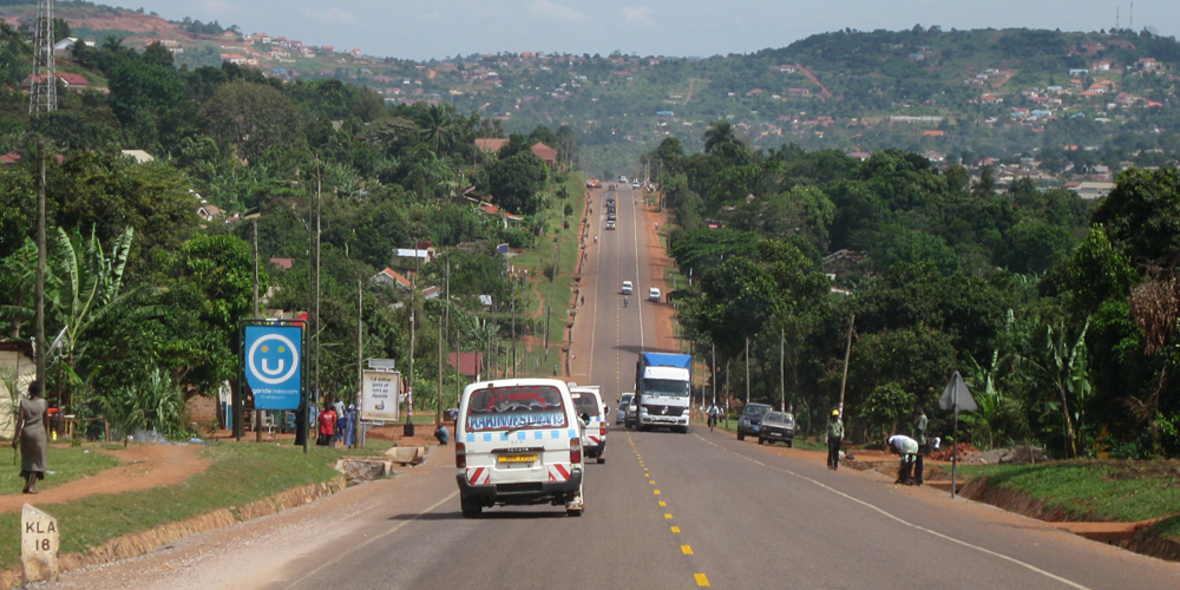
<point>657,492</point>
<point>685,549</point>
<point>675,529</point>
<point>702,579</point>
<point>652,482</point>
<point>667,516</point>
<point>663,503</point>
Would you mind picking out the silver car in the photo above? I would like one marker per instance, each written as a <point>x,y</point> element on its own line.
<point>621,411</point>
<point>777,426</point>
<point>631,418</point>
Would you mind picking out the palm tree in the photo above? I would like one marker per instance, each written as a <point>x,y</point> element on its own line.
<point>440,128</point>
<point>718,134</point>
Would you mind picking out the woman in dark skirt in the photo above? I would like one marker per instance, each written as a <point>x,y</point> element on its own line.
<point>30,435</point>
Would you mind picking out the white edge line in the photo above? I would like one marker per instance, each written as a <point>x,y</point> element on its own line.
<point>904,522</point>
<point>374,539</point>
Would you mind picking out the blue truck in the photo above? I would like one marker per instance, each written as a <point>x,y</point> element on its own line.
<point>663,387</point>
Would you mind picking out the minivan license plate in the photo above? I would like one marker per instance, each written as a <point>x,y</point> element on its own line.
<point>517,458</point>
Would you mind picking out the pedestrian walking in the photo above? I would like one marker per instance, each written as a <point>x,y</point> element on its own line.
<point>327,422</point>
<point>29,435</point>
<point>919,435</point>
<point>338,407</point>
<point>835,439</point>
<point>908,449</point>
<point>349,426</point>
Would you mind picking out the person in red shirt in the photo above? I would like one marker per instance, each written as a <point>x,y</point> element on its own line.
<point>327,422</point>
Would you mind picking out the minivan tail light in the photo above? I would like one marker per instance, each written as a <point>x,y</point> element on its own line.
<point>575,450</point>
<point>460,455</point>
<point>602,430</point>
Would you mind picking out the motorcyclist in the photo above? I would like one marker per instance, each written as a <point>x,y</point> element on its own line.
<point>624,301</point>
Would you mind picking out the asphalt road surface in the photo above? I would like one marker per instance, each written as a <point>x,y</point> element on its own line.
<point>665,511</point>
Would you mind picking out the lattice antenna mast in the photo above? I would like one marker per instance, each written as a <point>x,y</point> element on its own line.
<point>43,93</point>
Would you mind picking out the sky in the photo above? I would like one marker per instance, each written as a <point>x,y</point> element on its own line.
<point>436,29</point>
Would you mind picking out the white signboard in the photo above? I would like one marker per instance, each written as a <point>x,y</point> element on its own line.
<point>379,398</point>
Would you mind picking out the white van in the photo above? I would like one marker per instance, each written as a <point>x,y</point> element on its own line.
<point>627,288</point>
<point>653,294</point>
<point>518,442</point>
<point>588,400</point>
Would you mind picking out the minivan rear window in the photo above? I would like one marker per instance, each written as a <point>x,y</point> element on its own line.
<point>515,408</point>
<point>585,402</point>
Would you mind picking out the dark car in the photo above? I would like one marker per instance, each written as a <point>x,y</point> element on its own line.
<point>750,422</point>
<point>777,426</point>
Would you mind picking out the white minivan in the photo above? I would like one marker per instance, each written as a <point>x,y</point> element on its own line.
<point>627,288</point>
<point>653,294</point>
<point>588,400</point>
<point>518,442</point>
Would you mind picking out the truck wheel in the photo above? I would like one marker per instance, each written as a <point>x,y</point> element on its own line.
<point>741,435</point>
<point>761,441</point>
<point>470,506</point>
<point>601,460</point>
<point>790,442</point>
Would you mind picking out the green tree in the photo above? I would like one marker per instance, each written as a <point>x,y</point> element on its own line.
<point>253,118</point>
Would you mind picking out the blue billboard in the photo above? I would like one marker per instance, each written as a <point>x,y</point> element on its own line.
<point>272,366</point>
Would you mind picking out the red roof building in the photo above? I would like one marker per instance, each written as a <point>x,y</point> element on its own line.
<point>469,364</point>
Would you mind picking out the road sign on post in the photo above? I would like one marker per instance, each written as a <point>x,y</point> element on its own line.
<point>271,361</point>
<point>956,397</point>
<point>379,396</point>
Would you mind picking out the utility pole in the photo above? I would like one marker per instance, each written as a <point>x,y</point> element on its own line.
<point>513,331</point>
<point>319,201</point>
<point>360,347</point>
<point>847,353</point>
<point>782,369</point>
<point>747,371</point>
<point>41,347</point>
<point>714,367</point>
<point>257,413</point>
<point>458,347</point>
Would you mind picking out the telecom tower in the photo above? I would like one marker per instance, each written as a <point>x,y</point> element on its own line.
<point>43,93</point>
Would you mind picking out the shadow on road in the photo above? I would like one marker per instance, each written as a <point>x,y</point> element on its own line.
<point>494,515</point>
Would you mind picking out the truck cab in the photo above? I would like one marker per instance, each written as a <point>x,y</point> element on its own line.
<point>663,387</point>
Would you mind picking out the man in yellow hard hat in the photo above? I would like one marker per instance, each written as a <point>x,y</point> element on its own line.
<point>835,438</point>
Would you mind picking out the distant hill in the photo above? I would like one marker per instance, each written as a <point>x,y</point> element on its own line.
<point>1068,101</point>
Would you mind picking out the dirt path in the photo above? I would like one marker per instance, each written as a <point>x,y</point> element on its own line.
<point>144,467</point>
<point>657,263</point>
<point>692,82</point>
<point>811,76</point>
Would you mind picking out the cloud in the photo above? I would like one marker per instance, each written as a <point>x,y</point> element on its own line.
<point>331,15</point>
<point>556,11</point>
<point>639,14</point>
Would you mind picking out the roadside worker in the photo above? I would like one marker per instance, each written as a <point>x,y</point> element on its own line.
<point>908,449</point>
<point>919,435</point>
<point>327,421</point>
<point>442,434</point>
<point>835,439</point>
<point>30,436</point>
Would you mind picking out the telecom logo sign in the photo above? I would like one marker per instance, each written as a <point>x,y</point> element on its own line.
<point>273,370</point>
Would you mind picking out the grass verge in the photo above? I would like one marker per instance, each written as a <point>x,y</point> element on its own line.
<point>239,474</point>
<point>66,464</point>
<point>1120,491</point>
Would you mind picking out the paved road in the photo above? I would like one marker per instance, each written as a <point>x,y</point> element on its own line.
<point>665,511</point>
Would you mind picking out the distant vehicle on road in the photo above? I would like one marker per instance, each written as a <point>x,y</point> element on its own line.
<point>663,386</point>
<point>610,224</point>
<point>777,426</point>
<point>750,422</point>
<point>621,411</point>
<point>631,417</point>
<point>627,289</point>
<point>622,179</point>
<point>653,294</point>
<point>588,400</point>
<point>635,185</point>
